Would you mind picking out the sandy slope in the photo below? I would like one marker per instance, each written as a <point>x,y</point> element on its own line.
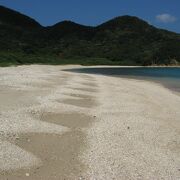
<point>63,125</point>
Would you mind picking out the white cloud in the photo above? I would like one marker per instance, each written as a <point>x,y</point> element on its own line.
<point>166,18</point>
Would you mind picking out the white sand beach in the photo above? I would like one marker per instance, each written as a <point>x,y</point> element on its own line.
<point>57,124</point>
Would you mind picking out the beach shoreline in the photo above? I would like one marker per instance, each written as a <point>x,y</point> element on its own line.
<point>85,126</point>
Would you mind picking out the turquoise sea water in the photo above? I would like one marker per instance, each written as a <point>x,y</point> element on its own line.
<point>168,76</point>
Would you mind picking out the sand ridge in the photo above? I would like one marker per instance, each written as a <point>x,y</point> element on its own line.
<point>64,125</point>
<point>28,131</point>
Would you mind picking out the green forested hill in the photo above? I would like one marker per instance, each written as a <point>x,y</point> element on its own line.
<point>124,40</point>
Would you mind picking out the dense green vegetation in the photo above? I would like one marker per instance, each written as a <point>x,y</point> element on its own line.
<point>123,40</point>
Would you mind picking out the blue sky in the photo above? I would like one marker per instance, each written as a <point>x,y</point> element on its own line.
<point>161,13</point>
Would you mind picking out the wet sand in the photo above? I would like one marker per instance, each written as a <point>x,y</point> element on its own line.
<point>63,125</point>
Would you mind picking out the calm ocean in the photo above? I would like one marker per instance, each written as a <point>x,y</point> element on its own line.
<point>168,76</point>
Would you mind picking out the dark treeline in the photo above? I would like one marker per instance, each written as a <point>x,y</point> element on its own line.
<point>124,40</point>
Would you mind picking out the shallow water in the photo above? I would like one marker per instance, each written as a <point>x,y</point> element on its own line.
<point>168,76</point>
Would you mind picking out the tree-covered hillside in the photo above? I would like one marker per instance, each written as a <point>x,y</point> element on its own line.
<point>124,40</point>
